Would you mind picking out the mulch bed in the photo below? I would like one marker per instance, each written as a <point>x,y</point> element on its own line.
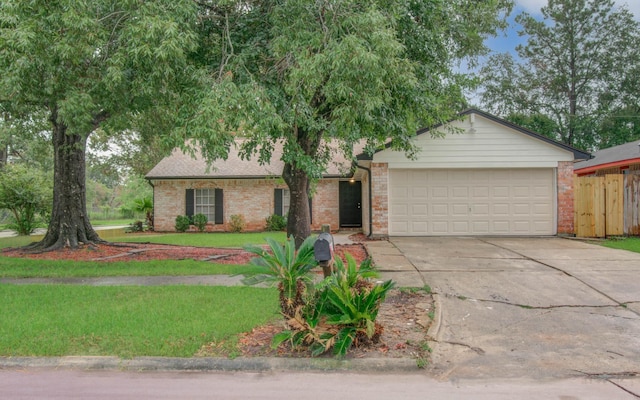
<point>145,251</point>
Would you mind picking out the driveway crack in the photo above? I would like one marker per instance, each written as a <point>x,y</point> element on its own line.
<point>619,303</point>
<point>615,375</point>
<point>560,306</point>
<point>477,350</point>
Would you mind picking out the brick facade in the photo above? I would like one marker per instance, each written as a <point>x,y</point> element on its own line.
<point>380,199</point>
<point>252,198</point>
<point>565,198</point>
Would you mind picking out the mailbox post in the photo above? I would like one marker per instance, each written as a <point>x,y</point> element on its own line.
<point>323,250</point>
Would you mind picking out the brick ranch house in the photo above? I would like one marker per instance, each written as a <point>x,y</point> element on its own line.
<point>489,177</point>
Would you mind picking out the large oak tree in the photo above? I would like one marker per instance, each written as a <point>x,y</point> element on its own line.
<point>80,65</point>
<point>301,74</point>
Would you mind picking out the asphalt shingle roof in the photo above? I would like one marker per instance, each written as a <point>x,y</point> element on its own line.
<point>627,151</point>
<point>181,165</point>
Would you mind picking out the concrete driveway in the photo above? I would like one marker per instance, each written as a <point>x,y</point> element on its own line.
<point>524,307</point>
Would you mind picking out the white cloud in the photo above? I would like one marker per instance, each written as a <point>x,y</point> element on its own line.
<point>533,6</point>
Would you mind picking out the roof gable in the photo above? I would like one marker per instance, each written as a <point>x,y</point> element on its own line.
<point>481,140</point>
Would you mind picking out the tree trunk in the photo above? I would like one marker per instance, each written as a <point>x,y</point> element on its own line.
<point>69,225</point>
<point>299,219</point>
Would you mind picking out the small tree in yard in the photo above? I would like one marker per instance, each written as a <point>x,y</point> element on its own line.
<point>27,195</point>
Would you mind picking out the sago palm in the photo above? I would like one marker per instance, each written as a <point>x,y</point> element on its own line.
<point>286,267</point>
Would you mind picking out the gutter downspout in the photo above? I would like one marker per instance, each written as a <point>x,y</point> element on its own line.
<point>370,201</point>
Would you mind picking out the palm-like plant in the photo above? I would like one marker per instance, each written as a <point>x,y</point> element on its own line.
<point>344,311</point>
<point>145,205</point>
<point>286,267</point>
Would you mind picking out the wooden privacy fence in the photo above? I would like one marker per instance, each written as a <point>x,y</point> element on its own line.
<point>607,205</point>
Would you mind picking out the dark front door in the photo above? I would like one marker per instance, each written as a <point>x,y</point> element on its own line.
<point>350,204</point>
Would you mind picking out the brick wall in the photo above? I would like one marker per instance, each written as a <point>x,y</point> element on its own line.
<point>380,199</point>
<point>565,198</point>
<point>251,198</point>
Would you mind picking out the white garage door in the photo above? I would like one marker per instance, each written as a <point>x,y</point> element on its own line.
<point>471,202</point>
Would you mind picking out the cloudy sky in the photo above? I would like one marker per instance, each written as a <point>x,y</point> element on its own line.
<point>534,6</point>
<point>508,41</point>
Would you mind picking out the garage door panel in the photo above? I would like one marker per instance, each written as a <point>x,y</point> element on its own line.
<point>439,210</point>
<point>419,210</point>
<point>472,202</point>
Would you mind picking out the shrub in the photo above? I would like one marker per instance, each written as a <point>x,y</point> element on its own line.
<point>287,268</point>
<point>182,223</point>
<point>334,314</point>
<point>136,226</point>
<point>236,223</point>
<point>200,221</point>
<point>27,194</point>
<point>276,222</point>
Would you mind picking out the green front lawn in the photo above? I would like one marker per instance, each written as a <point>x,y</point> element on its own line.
<point>629,243</point>
<point>170,321</point>
<point>129,321</point>
<point>227,240</point>
<point>29,268</point>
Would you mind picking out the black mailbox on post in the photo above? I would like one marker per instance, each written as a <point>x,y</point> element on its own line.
<point>323,251</point>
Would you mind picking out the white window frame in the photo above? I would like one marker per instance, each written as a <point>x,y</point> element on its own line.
<point>205,203</point>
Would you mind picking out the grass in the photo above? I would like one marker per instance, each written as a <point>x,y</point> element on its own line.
<point>112,222</point>
<point>130,321</point>
<point>15,241</point>
<point>227,240</point>
<point>169,321</point>
<point>629,243</point>
<point>29,268</point>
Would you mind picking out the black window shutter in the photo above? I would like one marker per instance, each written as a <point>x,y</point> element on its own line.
<point>219,207</point>
<point>190,202</point>
<point>310,211</point>
<point>277,209</point>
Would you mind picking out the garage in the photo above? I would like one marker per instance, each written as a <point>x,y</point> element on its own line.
<point>444,202</point>
<point>477,175</point>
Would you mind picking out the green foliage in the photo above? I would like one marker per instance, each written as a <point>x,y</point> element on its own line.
<point>236,223</point>
<point>342,312</point>
<point>145,205</point>
<point>276,223</point>
<point>575,74</point>
<point>182,223</point>
<point>628,243</point>
<point>305,74</point>
<point>30,268</point>
<point>127,321</point>
<point>285,267</point>
<point>27,194</point>
<point>200,221</point>
<point>76,68</point>
<point>213,239</point>
<point>135,226</point>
